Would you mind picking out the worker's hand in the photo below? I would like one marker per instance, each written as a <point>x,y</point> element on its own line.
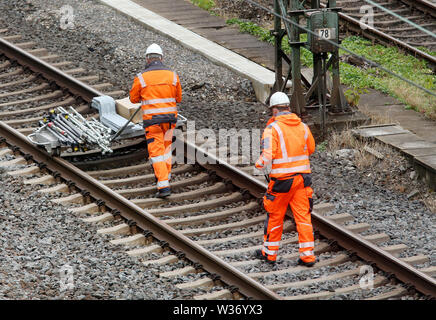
<point>262,172</point>
<point>257,172</point>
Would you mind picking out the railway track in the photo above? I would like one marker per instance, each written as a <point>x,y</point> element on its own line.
<point>25,95</point>
<point>391,30</point>
<point>207,230</point>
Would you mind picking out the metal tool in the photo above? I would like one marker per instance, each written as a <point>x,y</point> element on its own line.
<point>125,125</point>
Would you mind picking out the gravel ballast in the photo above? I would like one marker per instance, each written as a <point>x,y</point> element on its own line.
<point>39,239</point>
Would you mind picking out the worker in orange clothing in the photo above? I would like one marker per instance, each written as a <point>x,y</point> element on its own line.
<point>158,89</point>
<point>286,145</point>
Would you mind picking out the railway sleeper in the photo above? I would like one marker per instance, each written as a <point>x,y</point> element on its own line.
<point>309,282</point>
<point>50,57</point>
<point>73,198</point>
<point>152,248</point>
<point>162,261</point>
<point>120,171</point>
<point>415,260</point>
<point>62,188</point>
<point>338,259</point>
<point>38,52</point>
<point>193,207</point>
<point>377,238</point>
<point>396,249</point>
<point>377,282</point>
<point>145,178</point>
<point>107,216</point>
<point>202,218</point>
<point>61,64</point>
<point>5,64</point>
<point>17,122</point>
<point>178,272</point>
<point>217,188</point>
<point>4,152</point>
<point>122,228</point>
<point>89,208</point>
<point>24,172</point>
<point>341,217</point>
<point>18,82</point>
<point>42,86</point>
<point>319,248</point>
<point>17,71</point>
<point>431,271</point>
<point>51,95</point>
<point>232,252</point>
<point>220,294</point>
<point>323,208</point>
<point>13,162</point>
<point>233,225</point>
<point>200,283</point>
<point>46,180</point>
<point>136,239</point>
<point>378,14</point>
<point>396,292</point>
<point>198,179</point>
<point>348,10</point>
<point>25,45</point>
<point>67,100</point>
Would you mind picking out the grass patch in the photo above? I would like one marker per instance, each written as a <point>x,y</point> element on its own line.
<point>359,78</point>
<point>204,4</point>
<point>265,35</point>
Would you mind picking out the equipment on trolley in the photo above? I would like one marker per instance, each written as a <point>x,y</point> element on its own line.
<point>64,130</point>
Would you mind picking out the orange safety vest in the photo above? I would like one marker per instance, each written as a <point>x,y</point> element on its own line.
<point>158,89</point>
<point>286,145</point>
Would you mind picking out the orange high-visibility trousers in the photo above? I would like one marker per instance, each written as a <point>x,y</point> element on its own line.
<point>159,138</point>
<point>294,191</point>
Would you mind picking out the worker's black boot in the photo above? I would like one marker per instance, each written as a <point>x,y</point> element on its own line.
<point>163,193</point>
<point>258,254</point>
<point>307,264</point>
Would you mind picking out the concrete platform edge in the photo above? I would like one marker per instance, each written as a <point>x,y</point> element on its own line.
<point>261,78</point>
<point>426,171</point>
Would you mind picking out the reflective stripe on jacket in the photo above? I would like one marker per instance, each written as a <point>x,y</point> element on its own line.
<point>158,90</point>
<point>286,145</point>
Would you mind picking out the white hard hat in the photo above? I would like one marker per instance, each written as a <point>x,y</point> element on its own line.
<point>279,98</point>
<point>154,49</point>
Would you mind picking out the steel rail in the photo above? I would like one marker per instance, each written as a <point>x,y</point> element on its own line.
<point>247,286</point>
<point>374,33</point>
<point>176,240</point>
<point>76,87</point>
<point>422,5</point>
<point>329,229</point>
<point>127,209</point>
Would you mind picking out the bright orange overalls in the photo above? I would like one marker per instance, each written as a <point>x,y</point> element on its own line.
<point>286,145</point>
<point>158,89</point>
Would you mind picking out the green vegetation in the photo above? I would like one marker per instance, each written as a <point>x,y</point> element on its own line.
<point>204,4</point>
<point>353,95</point>
<point>364,77</point>
<point>322,146</point>
<point>264,35</point>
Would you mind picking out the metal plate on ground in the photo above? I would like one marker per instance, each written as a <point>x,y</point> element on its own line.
<point>429,161</point>
<point>406,141</point>
<point>375,131</point>
<point>421,152</point>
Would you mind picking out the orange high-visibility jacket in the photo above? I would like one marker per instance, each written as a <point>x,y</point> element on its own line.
<point>286,145</point>
<point>158,90</point>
